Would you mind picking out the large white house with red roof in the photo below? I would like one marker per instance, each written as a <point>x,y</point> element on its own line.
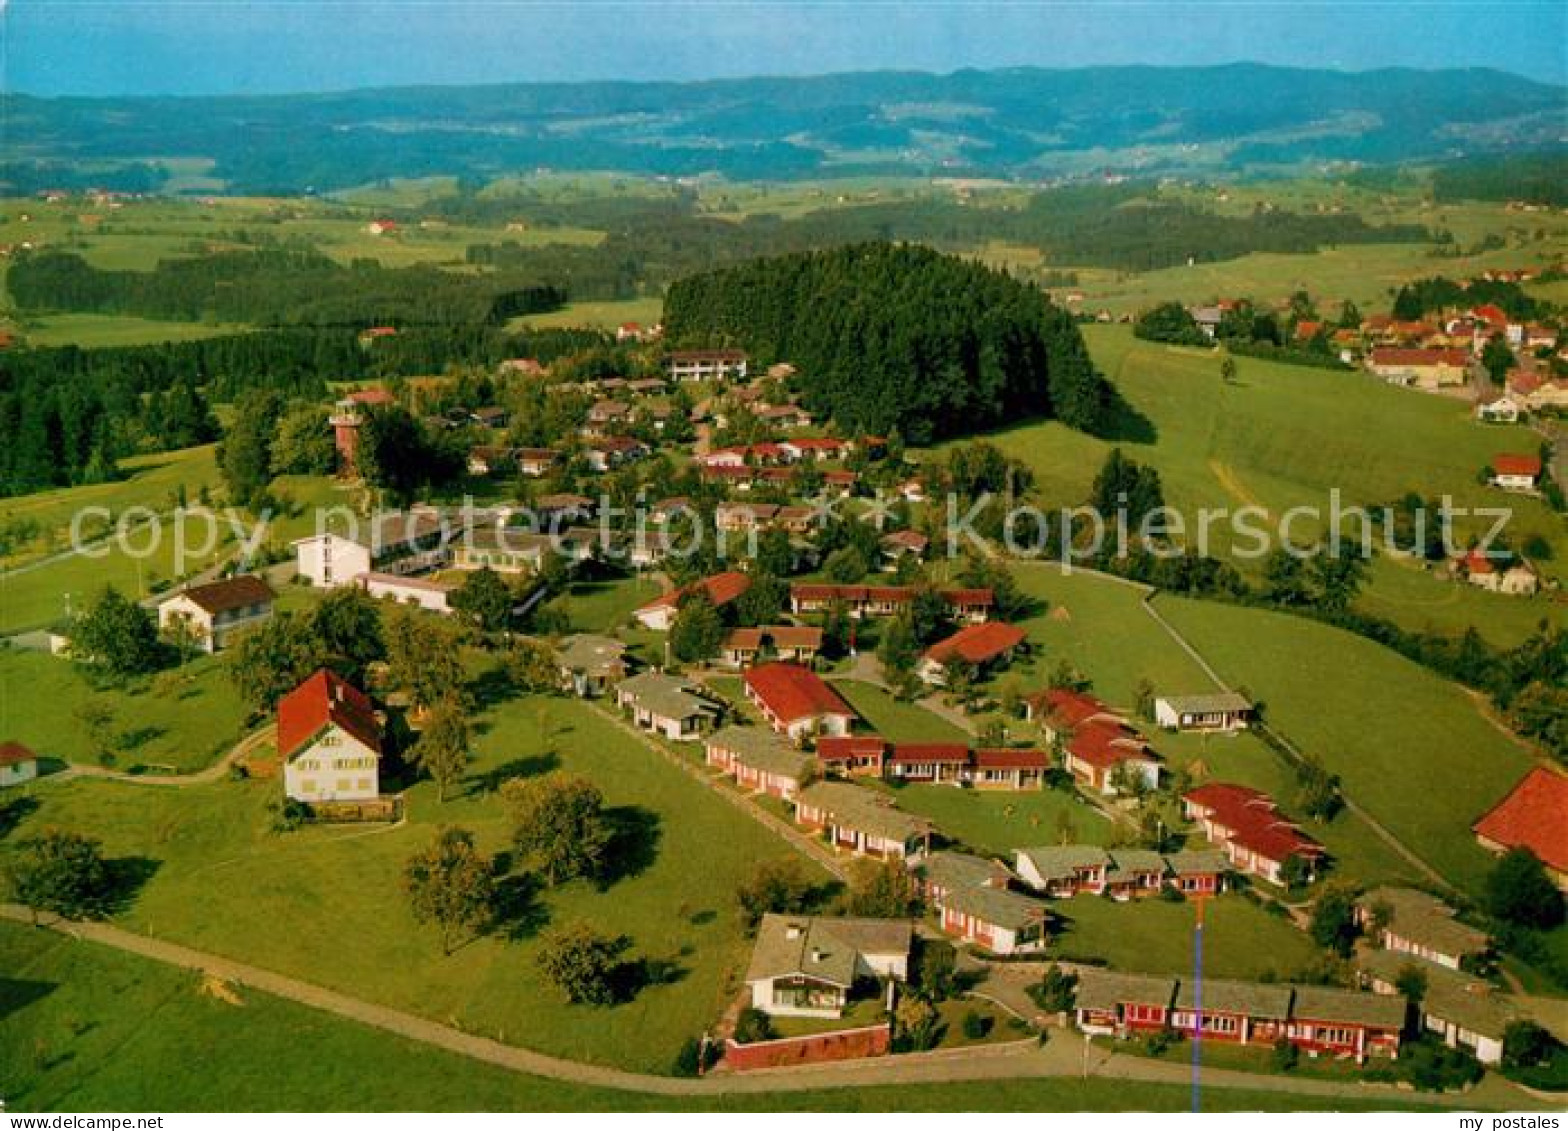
<point>1513,471</point>
<point>796,702</point>
<point>329,741</point>
<point>1533,816</point>
<point>1255,835</point>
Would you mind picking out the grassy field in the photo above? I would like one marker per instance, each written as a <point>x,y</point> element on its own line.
<point>599,315</point>
<point>90,1029</point>
<point>1155,936</point>
<point>1388,727</point>
<point>103,330</point>
<point>1287,436</point>
<point>150,481</point>
<point>996,823</point>
<point>225,882</point>
<point>182,720</point>
<point>894,719</point>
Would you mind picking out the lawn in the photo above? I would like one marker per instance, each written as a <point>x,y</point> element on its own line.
<point>183,720</point>
<point>894,719</point>
<point>1409,746</point>
<point>150,481</point>
<point>86,1028</point>
<point>1156,936</point>
<point>1281,436</point>
<point>103,330</point>
<point>995,823</point>
<point>326,904</point>
<point>597,315</point>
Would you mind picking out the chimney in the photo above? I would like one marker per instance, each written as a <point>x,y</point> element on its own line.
<point>792,931</point>
<point>816,954</point>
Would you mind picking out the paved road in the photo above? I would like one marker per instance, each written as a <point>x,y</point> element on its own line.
<point>1062,1056</point>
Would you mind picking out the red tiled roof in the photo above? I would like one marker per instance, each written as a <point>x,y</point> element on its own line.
<point>1253,821</point>
<point>1492,314</point>
<point>1388,355</point>
<point>1068,707</point>
<point>371,396</point>
<point>1510,463</point>
<point>844,749</point>
<point>1105,745</point>
<point>14,754</point>
<point>816,443</point>
<point>1010,759</point>
<point>930,752</point>
<point>978,643</point>
<point>1478,562</point>
<point>722,588</point>
<point>781,635</point>
<point>1534,815</point>
<point>790,693</point>
<point>322,699</point>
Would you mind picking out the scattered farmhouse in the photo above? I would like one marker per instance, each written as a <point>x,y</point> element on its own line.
<point>669,705</point>
<point>796,702</point>
<point>590,665</point>
<point>1531,817</point>
<point>1256,837</point>
<point>213,612</point>
<point>329,740</point>
<point>806,966</point>
<point>1222,711</point>
<point>1515,472</point>
<point>18,764</point>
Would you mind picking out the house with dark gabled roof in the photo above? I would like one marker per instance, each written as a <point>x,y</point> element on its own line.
<point>329,740</point>
<point>1407,921</point>
<point>677,708</point>
<point>1110,1003</point>
<point>1064,870</point>
<point>215,611</point>
<point>758,760</point>
<point>862,821</point>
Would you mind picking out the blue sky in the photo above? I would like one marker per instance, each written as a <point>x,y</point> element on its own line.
<point>243,46</point>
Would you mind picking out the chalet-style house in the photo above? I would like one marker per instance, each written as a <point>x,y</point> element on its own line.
<point>1406,921</point>
<point>862,821</point>
<point>983,646</point>
<point>1102,758</point>
<point>401,543</point>
<point>796,702</point>
<point>329,740</point>
<point>808,966</point>
<point>1316,1019</point>
<point>721,589</point>
<point>18,764</point>
<point>1531,817</point>
<point>590,665</point>
<point>1220,711</point>
<point>1463,1011</point>
<point>759,760</point>
<point>668,705</point>
<point>1064,870</point>
<point>1060,711</point>
<point>744,647</point>
<point>706,365</point>
<point>422,592</point>
<point>1197,872</point>
<point>1516,472</point>
<point>861,601</point>
<point>213,612</point>
<point>1256,837</point>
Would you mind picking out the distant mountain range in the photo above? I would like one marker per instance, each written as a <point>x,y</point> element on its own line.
<point>1025,123</point>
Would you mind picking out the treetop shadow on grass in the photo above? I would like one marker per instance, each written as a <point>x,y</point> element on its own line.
<point>634,843</point>
<point>531,766</point>
<point>517,911</point>
<point>16,994</point>
<point>128,875</point>
<point>491,688</point>
<point>1123,422</point>
<point>13,813</point>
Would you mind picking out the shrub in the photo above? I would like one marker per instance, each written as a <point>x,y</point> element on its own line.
<point>753,1025</point>
<point>976,1025</point>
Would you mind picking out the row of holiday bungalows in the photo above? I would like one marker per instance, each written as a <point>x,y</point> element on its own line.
<point>1320,1020</point>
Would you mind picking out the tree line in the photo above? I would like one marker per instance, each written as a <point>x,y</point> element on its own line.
<point>899,337</point>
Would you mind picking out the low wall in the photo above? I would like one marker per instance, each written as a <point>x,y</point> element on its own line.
<point>842,1044</point>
